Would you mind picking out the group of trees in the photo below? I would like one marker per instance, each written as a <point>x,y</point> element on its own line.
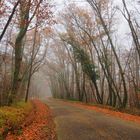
<point>86,60</point>
<point>83,56</point>
<point>24,26</point>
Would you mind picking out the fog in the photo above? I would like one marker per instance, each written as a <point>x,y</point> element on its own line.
<point>40,86</point>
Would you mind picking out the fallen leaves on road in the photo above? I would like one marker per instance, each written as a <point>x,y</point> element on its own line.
<point>118,114</point>
<point>37,126</point>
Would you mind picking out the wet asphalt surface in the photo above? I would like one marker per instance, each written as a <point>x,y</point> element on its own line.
<point>75,123</point>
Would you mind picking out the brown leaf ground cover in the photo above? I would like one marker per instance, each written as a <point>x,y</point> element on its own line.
<point>38,125</point>
<point>106,110</point>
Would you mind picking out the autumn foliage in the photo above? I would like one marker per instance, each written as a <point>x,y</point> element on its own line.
<point>27,121</point>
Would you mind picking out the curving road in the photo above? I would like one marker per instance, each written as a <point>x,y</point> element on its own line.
<point>74,123</point>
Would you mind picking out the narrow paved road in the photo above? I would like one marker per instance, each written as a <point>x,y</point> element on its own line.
<point>74,123</point>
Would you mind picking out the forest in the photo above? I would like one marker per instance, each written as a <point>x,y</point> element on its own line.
<point>88,60</point>
<point>85,51</point>
<point>83,57</point>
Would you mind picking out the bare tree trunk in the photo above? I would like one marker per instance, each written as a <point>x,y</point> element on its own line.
<point>31,66</point>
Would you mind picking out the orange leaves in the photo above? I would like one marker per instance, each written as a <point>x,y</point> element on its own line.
<point>35,125</point>
<point>1,8</point>
<point>48,30</point>
<point>109,111</point>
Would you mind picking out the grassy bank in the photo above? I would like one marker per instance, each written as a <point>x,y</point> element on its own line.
<point>12,117</point>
